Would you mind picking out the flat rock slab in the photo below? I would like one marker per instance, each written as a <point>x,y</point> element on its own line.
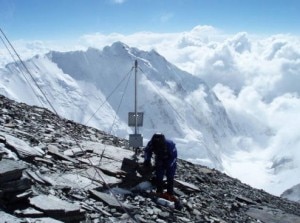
<point>54,151</point>
<point>187,185</point>
<point>8,218</point>
<point>22,148</point>
<point>29,212</point>
<point>74,152</point>
<point>46,161</point>
<point>107,151</point>
<point>51,204</point>
<point>106,198</point>
<point>35,177</point>
<point>74,180</point>
<point>10,170</point>
<point>271,215</point>
<point>56,208</point>
<point>109,166</point>
<point>43,220</point>
<point>97,175</point>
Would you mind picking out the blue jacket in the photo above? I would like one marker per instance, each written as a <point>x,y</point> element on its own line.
<point>167,154</point>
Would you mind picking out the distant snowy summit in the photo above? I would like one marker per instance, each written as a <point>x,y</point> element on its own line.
<point>113,62</point>
<point>96,88</point>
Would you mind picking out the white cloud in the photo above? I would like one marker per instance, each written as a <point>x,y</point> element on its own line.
<point>118,1</point>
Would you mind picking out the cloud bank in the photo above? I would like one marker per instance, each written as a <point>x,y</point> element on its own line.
<point>255,77</point>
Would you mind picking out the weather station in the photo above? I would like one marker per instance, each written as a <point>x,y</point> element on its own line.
<point>135,119</point>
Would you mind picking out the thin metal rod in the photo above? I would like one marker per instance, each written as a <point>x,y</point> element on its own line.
<point>135,94</point>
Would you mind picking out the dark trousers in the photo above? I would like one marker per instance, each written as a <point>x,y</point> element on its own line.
<point>161,169</point>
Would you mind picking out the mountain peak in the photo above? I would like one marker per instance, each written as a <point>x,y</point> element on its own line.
<point>117,48</point>
<point>119,44</point>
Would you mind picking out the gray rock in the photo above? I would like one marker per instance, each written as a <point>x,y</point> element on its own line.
<point>57,208</point>
<point>108,199</point>
<point>11,170</point>
<point>5,217</point>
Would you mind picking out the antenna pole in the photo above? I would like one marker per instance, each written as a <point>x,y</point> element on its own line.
<point>135,95</point>
<point>135,118</point>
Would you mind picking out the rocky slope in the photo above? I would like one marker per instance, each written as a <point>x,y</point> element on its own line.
<point>55,170</point>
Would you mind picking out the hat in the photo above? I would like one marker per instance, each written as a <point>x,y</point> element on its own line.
<point>158,140</point>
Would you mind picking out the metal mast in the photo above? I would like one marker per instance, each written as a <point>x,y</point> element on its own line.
<point>135,96</point>
<point>135,118</point>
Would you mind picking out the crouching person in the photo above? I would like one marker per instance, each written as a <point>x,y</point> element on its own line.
<point>165,163</point>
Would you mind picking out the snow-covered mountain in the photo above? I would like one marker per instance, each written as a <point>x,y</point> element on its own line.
<point>173,101</point>
<point>96,87</point>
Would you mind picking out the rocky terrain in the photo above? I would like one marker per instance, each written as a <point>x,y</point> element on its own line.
<point>55,170</point>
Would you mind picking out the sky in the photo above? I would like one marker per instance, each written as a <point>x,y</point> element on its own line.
<point>247,51</point>
<point>70,19</point>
